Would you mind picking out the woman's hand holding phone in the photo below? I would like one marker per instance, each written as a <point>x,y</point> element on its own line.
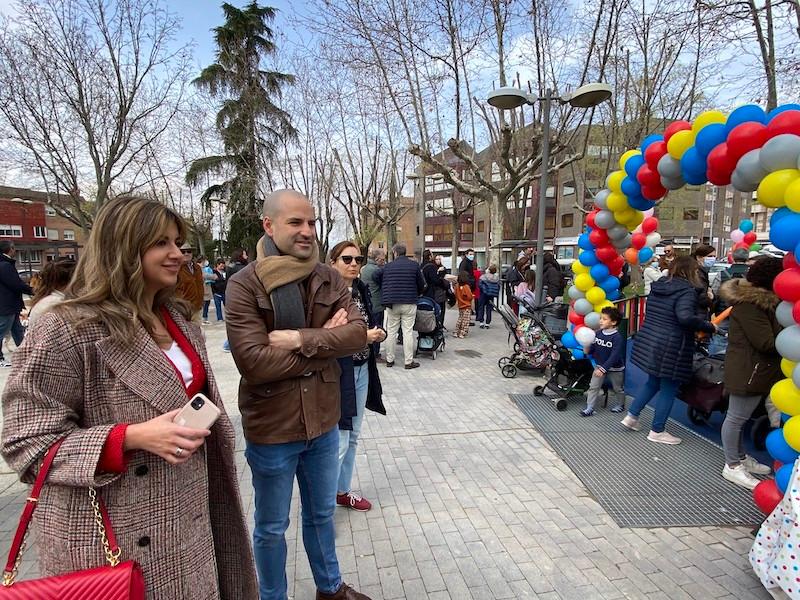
<point>162,437</point>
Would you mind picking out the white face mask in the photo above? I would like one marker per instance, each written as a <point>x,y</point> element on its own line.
<point>470,256</point>
<point>709,261</point>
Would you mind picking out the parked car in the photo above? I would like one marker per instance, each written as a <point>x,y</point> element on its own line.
<point>27,274</point>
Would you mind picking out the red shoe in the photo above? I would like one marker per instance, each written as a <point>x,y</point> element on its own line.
<point>353,501</point>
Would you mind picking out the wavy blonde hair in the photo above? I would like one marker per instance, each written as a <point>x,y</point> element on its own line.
<point>108,285</point>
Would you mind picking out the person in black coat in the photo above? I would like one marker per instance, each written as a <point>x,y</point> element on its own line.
<point>11,290</point>
<point>434,272</point>
<point>238,262</point>
<point>553,277</point>
<point>706,257</point>
<point>664,346</point>
<point>467,266</point>
<point>359,383</point>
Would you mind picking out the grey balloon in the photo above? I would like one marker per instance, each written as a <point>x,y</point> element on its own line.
<point>749,167</point>
<point>575,293</point>
<point>601,198</point>
<point>784,314</point>
<point>592,320</point>
<point>787,343</point>
<point>742,184</point>
<point>795,373</point>
<point>605,219</point>
<point>669,167</point>
<point>623,242</point>
<point>617,232</point>
<point>583,306</point>
<point>672,183</point>
<point>781,152</point>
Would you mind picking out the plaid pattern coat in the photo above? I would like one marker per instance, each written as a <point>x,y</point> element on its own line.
<point>182,523</point>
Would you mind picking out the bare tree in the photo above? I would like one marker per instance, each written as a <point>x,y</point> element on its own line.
<point>86,86</point>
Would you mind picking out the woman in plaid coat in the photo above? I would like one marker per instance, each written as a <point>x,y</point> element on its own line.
<point>108,371</point>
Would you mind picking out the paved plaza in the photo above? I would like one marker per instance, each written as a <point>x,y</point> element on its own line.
<point>470,502</point>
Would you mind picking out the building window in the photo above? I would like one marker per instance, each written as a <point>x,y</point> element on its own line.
<point>29,257</point>
<point>567,220</point>
<point>50,211</point>
<point>466,228</point>
<point>39,231</point>
<point>11,230</point>
<point>691,214</point>
<point>69,235</point>
<point>52,234</point>
<point>481,226</point>
<point>70,256</point>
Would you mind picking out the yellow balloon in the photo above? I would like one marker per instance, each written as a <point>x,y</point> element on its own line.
<point>787,366</point>
<point>636,220</point>
<point>707,118</point>
<point>616,201</point>
<point>625,216</point>
<point>602,305</point>
<point>786,397</point>
<point>624,158</point>
<point>584,282</point>
<point>596,295</point>
<point>791,432</point>
<point>772,189</point>
<point>792,195</point>
<point>578,267</point>
<point>614,181</point>
<point>679,143</point>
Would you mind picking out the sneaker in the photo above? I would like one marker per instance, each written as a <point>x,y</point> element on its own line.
<point>740,476</point>
<point>631,422</point>
<point>663,438</point>
<point>353,501</point>
<point>226,347</point>
<point>5,364</point>
<point>753,466</point>
<point>206,322</point>
<point>587,412</point>
<point>487,326</point>
<point>482,326</point>
<point>617,408</point>
<point>412,365</point>
<point>389,363</point>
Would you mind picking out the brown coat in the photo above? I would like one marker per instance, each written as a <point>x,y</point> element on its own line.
<point>183,524</point>
<point>190,286</point>
<point>289,396</point>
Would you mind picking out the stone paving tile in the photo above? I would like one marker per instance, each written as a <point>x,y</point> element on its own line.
<point>471,503</point>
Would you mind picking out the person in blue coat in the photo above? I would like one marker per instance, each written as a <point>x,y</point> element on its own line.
<point>664,346</point>
<point>11,290</point>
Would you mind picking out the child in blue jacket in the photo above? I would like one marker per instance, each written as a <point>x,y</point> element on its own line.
<point>608,352</point>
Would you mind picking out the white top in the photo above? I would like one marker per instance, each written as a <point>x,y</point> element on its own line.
<point>182,363</point>
<point>45,305</point>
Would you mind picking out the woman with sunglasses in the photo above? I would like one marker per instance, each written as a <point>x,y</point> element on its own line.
<point>359,382</point>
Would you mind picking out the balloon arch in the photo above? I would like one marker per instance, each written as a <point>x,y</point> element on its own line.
<point>751,150</point>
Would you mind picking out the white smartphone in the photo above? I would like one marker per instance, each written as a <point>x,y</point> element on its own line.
<point>199,413</point>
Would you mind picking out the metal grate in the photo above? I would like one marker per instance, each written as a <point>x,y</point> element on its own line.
<point>639,483</point>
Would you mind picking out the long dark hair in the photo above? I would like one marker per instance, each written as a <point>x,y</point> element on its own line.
<point>55,275</point>
<point>685,267</point>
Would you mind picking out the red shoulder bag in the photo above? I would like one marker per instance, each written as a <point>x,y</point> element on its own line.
<point>114,581</point>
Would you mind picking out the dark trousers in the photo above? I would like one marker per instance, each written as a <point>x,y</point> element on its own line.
<point>485,308</point>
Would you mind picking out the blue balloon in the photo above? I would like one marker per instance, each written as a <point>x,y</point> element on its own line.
<point>640,203</point>
<point>692,162</point>
<point>784,229</point>
<point>631,187</point>
<point>613,295</point>
<point>780,109</point>
<point>588,258</point>
<point>584,242</point>
<point>569,341</point>
<point>709,137</point>
<point>779,449</point>
<point>609,284</point>
<point>692,178</point>
<point>633,164</point>
<point>745,114</point>
<point>645,254</point>
<point>783,476</point>
<point>653,137</point>
<point>578,354</point>
<point>785,417</point>
<point>599,272</point>
<point>746,226</point>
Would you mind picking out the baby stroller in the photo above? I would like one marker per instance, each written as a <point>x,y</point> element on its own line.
<point>534,347</point>
<point>429,326</point>
<point>569,376</point>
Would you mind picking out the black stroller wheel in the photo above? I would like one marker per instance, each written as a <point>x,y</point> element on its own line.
<point>504,360</point>
<point>759,432</point>
<point>509,371</point>
<point>697,416</point>
<point>516,347</point>
<point>560,404</point>
<point>538,390</point>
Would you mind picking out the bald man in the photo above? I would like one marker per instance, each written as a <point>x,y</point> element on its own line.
<point>289,318</point>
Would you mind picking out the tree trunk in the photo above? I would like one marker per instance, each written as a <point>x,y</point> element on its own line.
<point>496,233</point>
<point>456,241</point>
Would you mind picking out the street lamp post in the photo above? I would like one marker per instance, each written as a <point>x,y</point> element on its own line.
<point>509,98</point>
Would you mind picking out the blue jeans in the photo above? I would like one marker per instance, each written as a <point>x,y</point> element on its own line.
<point>206,304</point>
<point>348,440</point>
<point>274,467</point>
<point>664,390</point>
<point>11,323</point>
<point>219,300</point>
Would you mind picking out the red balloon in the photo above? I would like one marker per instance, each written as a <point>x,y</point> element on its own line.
<point>653,154</point>
<point>776,465</point>
<point>720,162</point>
<point>745,137</point>
<point>787,285</point>
<point>750,238</point>
<point>649,225</point>
<point>575,319</point>
<point>648,176</point>
<point>616,266</point>
<point>606,253</point>
<point>674,128</point>
<point>767,496</point>
<point>718,178</point>
<point>786,122</point>
<point>590,219</point>
<point>598,237</point>
<point>638,241</point>
<point>654,192</point>
<point>789,261</point>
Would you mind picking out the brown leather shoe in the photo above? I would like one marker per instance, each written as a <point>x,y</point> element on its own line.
<point>343,593</point>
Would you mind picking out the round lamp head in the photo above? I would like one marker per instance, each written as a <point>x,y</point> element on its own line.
<point>589,95</point>
<point>507,98</point>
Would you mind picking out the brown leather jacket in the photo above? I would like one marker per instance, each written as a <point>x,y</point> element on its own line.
<point>190,286</point>
<point>290,396</point>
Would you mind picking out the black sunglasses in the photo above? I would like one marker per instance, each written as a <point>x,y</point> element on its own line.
<point>186,251</point>
<point>348,259</point>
